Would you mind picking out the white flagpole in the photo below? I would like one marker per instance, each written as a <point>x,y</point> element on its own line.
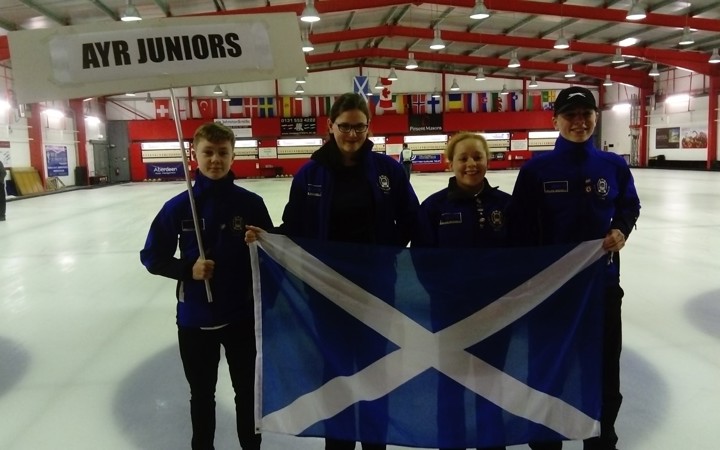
<point>186,170</point>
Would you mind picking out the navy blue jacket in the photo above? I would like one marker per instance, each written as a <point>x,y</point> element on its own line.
<point>572,194</point>
<point>223,211</point>
<point>454,218</point>
<point>307,213</point>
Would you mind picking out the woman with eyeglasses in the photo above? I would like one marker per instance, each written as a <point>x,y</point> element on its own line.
<point>348,193</point>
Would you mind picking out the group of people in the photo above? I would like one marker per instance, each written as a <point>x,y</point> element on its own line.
<point>348,193</point>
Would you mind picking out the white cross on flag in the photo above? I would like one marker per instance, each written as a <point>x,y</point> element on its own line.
<point>361,86</point>
<point>378,344</point>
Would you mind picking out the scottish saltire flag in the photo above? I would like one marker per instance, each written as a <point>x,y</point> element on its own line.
<point>361,85</point>
<point>387,345</point>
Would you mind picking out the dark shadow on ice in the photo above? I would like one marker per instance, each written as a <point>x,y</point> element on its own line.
<point>152,406</point>
<point>14,361</point>
<point>704,312</point>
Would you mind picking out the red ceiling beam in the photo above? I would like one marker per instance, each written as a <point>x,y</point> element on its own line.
<point>4,48</point>
<point>696,61</point>
<point>515,6</point>
<point>628,76</point>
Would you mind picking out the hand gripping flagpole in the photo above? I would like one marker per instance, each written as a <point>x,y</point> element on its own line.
<point>188,185</point>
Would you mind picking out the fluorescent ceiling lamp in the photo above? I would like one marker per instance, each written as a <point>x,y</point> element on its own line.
<point>561,43</point>
<point>148,98</point>
<point>636,12</point>
<point>654,72</point>
<point>686,39</point>
<point>54,113</point>
<point>479,11</point>
<point>435,94</point>
<point>569,73</point>
<point>504,91</point>
<point>300,80</point>
<point>378,84</point>
<point>92,120</point>
<point>454,86</point>
<point>514,62</point>
<point>392,76</point>
<point>299,89</point>
<point>627,42</point>
<point>226,97</point>
<point>715,57</point>
<point>481,74</point>
<point>621,107</point>
<point>618,58</point>
<point>608,81</point>
<point>130,94</point>
<point>437,42</point>
<point>131,14</point>
<point>217,90</point>
<point>677,98</point>
<point>307,47</point>
<point>533,83</point>
<point>411,63</point>
<point>310,14</point>
<point>4,105</point>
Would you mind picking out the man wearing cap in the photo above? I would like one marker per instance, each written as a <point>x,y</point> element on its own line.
<point>578,193</point>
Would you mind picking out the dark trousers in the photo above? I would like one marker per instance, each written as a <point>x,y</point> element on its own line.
<point>3,200</point>
<point>408,168</point>
<point>200,354</point>
<point>335,444</point>
<point>611,396</point>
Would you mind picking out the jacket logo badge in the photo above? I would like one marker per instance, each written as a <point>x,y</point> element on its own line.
<point>496,219</point>
<point>384,183</point>
<point>238,224</point>
<point>602,187</point>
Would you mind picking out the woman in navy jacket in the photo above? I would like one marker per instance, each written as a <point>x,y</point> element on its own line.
<point>467,213</point>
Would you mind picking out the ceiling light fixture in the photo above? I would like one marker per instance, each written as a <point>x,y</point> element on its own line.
<point>561,43</point>
<point>307,47</point>
<point>299,89</point>
<point>131,13</point>
<point>310,14</point>
<point>654,72</point>
<point>533,82</point>
<point>479,12</point>
<point>217,90</point>
<point>300,80</point>
<point>569,73</point>
<point>392,76</point>
<point>411,63</point>
<point>504,91</point>
<point>481,74</point>
<point>454,86</point>
<point>226,97</point>
<point>378,84</point>
<point>618,58</point>
<point>608,81</point>
<point>130,94</point>
<point>715,57</point>
<point>437,42</point>
<point>636,12</point>
<point>686,39</point>
<point>514,62</point>
<point>148,98</point>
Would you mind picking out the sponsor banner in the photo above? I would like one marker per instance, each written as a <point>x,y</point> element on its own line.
<point>164,170</point>
<point>293,126</point>
<point>425,123</point>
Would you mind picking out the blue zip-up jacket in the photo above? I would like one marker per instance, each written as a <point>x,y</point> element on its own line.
<point>455,218</point>
<point>572,194</point>
<point>223,211</point>
<point>307,213</point>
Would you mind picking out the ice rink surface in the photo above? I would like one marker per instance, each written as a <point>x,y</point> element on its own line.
<point>88,354</point>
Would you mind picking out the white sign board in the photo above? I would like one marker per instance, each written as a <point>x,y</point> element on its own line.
<point>116,57</point>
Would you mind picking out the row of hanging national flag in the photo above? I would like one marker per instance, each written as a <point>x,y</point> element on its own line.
<point>315,106</point>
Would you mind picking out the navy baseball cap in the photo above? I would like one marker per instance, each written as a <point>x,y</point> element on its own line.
<point>574,97</point>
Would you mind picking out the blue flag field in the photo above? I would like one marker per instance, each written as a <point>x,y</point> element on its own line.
<point>428,347</point>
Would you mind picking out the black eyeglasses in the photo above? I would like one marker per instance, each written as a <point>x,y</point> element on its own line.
<point>357,128</point>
